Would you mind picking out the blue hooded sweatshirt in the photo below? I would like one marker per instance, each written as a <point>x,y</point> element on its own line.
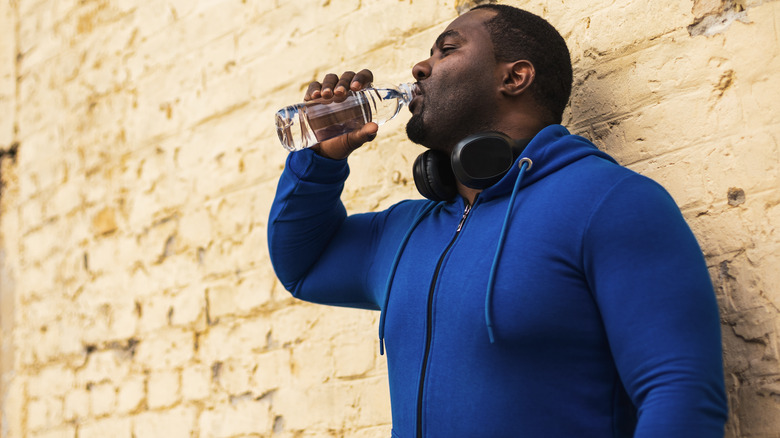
<point>571,300</point>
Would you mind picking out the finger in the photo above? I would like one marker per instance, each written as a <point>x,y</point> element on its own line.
<point>363,135</point>
<point>313,92</point>
<point>361,80</point>
<point>328,84</point>
<point>340,147</point>
<point>343,85</point>
<point>359,137</point>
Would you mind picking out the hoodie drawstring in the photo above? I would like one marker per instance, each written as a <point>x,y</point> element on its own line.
<point>524,164</point>
<point>393,268</point>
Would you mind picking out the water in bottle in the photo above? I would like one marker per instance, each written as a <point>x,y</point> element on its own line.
<point>305,124</point>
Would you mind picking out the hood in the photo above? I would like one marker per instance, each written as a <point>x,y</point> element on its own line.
<point>552,149</point>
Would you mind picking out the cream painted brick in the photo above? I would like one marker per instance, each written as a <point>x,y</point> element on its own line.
<point>717,233</point>
<point>314,362</point>
<point>736,278</point>
<point>7,76</point>
<point>56,339</point>
<point>316,408</point>
<point>249,254</point>
<point>219,343</point>
<point>60,432</point>
<point>273,370</point>
<point>157,233</point>
<point>189,306</point>
<point>131,394</point>
<point>373,432</point>
<point>55,380</point>
<point>102,399</point>
<point>252,292</point>
<point>31,213</point>
<point>195,229</point>
<point>180,308</point>
<point>293,324</point>
<point>43,413</point>
<point>222,96</point>
<point>186,34</point>
<point>106,255</point>
<point>235,377</point>
<point>373,401</point>
<point>754,400</point>
<point>41,310</point>
<point>174,423</point>
<point>694,171</point>
<point>14,404</point>
<point>174,273</point>
<point>111,320</point>
<point>154,310</point>
<point>76,405</point>
<point>196,382</point>
<point>113,427</point>
<point>163,389</point>
<point>242,416</point>
<point>36,247</point>
<point>353,355</point>
<point>166,349</point>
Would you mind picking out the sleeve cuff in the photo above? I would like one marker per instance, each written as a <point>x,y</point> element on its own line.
<point>308,166</point>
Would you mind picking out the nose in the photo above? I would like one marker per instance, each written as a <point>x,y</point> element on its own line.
<point>422,70</point>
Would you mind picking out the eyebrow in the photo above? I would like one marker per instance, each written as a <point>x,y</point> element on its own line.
<point>445,34</point>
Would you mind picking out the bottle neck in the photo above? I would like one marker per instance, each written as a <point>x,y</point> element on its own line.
<point>408,92</point>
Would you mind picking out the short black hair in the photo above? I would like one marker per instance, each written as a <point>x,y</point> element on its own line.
<point>517,34</point>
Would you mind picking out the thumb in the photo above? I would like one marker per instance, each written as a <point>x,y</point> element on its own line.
<point>363,135</point>
<point>340,147</point>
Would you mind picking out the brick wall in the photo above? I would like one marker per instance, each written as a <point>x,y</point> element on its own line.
<point>139,162</point>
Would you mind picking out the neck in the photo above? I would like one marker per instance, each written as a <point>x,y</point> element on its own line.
<point>469,194</point>
<point>525,128</point>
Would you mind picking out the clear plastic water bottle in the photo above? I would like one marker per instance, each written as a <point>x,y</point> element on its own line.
<point>305,124</point>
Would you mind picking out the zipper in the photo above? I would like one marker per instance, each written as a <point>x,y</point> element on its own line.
<point>429,325</point>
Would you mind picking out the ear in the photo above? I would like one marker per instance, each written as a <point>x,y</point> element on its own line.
<point>517,77</point>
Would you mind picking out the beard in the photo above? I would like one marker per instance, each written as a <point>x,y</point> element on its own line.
<point>415,129</point>
<point>445,118</point>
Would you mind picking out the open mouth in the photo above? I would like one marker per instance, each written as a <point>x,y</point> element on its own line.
<point>417,101</point>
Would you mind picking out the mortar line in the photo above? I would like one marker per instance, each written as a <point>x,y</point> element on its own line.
<point>702,141</point>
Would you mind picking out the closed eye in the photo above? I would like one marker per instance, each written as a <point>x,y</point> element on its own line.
<point>446,50</point>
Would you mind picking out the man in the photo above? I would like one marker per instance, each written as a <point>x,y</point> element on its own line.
<point>569,299</point>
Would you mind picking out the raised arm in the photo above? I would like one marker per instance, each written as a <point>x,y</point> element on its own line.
<point>316,251</point>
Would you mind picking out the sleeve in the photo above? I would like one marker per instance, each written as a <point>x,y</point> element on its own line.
<point>652,286</point>
<point>317,252</point>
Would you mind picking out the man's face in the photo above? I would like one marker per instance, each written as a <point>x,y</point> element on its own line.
<point>459,85</point>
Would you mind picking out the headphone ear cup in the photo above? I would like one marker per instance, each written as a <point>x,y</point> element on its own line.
<point>433,176</point>
<point>481,160</point>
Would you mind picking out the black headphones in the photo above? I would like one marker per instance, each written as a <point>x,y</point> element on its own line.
<point>478,161</point>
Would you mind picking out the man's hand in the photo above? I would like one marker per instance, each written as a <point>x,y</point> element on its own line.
<point>336,88</point>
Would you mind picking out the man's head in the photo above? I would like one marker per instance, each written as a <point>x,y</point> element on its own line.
<point>517,34</point>
<point>482,75</point>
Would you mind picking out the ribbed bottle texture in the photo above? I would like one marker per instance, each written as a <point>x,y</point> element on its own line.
<point>305,124</point>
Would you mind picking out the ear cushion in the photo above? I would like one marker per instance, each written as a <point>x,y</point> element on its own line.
<point>481,160</point>
<point>433,176</point>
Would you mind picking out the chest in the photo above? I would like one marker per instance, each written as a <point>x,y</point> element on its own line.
<point>540,297</point>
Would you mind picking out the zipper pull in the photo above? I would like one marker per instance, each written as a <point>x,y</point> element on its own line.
<point>463,218</point>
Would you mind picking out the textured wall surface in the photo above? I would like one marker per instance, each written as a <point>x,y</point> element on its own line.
<point>139,162</point>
